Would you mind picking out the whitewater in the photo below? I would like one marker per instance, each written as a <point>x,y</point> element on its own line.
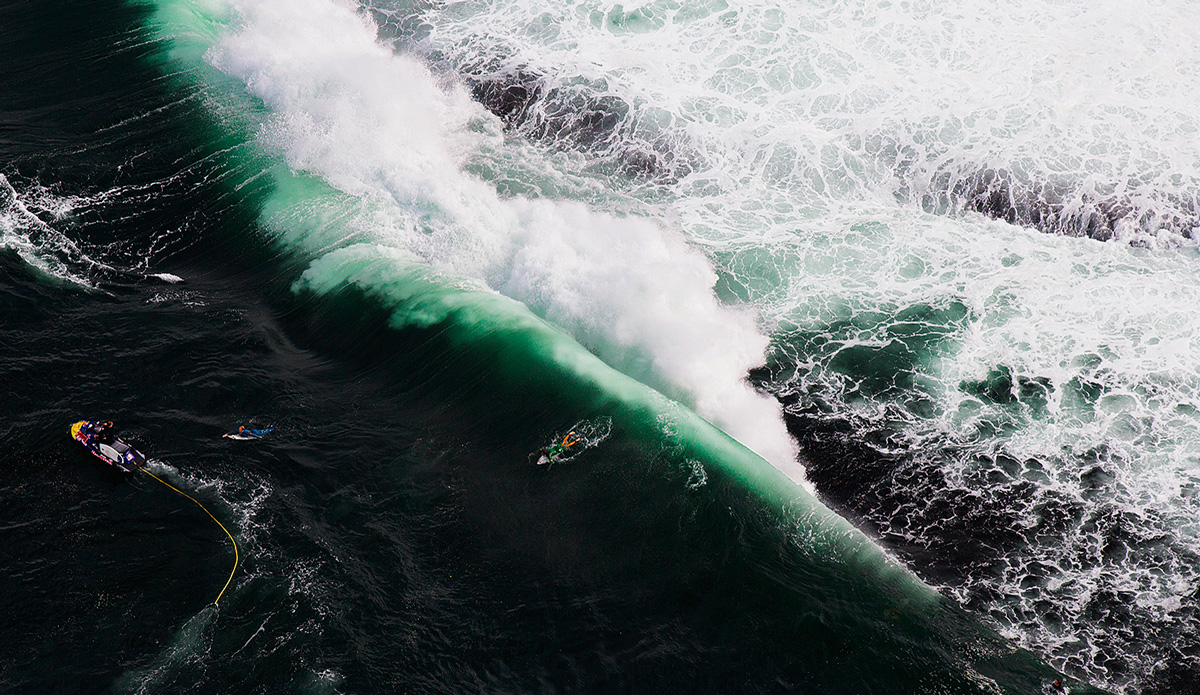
<point>969,233</point>
<point>690,189</point>
<point>936,263</point>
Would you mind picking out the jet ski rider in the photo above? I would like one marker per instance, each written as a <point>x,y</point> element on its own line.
<point>101,431</point>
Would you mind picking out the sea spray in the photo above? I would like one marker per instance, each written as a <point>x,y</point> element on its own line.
<point>313,218</point>
<point>382,128</point>
<point>1009,381</point>
<point>810,554</point>
<point>471,320</point>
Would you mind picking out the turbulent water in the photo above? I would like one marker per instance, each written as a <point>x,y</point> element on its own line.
<point>877,322</point>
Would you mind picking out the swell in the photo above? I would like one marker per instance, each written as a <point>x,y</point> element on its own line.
<point>331,237</point>
<point>332,244</point>
<point>954,376</point>
<point>400,152</point>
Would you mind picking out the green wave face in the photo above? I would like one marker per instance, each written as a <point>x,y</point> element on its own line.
<point>378,180</point>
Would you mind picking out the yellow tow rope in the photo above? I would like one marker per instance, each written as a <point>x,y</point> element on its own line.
<point>210,514</point>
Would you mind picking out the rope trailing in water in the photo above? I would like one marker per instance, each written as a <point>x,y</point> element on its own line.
<point>210,514</point>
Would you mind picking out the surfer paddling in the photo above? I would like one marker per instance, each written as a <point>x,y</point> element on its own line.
<point>243,432</point>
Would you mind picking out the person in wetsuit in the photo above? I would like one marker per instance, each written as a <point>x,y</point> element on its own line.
<point>244,432</point>
<point>101,432</point>
<point>553,451</point>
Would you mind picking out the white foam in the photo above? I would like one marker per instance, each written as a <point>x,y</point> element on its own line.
<point>32,224</point>
<point>817,133</point>
<point>381,127</point>
<point>26,227</point>
<point>815,136</point>
<point>1065,311</point>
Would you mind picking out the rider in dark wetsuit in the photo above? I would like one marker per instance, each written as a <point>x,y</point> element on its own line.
<point>101,432</point>
<point>552,451</point>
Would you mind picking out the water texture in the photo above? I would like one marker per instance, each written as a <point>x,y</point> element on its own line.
<point>882,314</point>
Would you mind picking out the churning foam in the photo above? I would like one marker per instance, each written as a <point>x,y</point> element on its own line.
<point>1089,443</point>
<point>380,127</point>
<point>817,137</point>
<point>806,104</point>
<point>26,228</point>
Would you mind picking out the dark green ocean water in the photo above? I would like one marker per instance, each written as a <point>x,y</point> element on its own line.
<point>393,535</point>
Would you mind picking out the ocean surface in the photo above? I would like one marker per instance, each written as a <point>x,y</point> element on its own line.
<point>878,323</point>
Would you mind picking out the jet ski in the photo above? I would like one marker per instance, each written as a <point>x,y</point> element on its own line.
<point>96,436</point>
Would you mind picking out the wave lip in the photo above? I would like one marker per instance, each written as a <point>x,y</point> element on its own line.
<point>366,203</point>
<point>381,127</point>
<point>809,556</point>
